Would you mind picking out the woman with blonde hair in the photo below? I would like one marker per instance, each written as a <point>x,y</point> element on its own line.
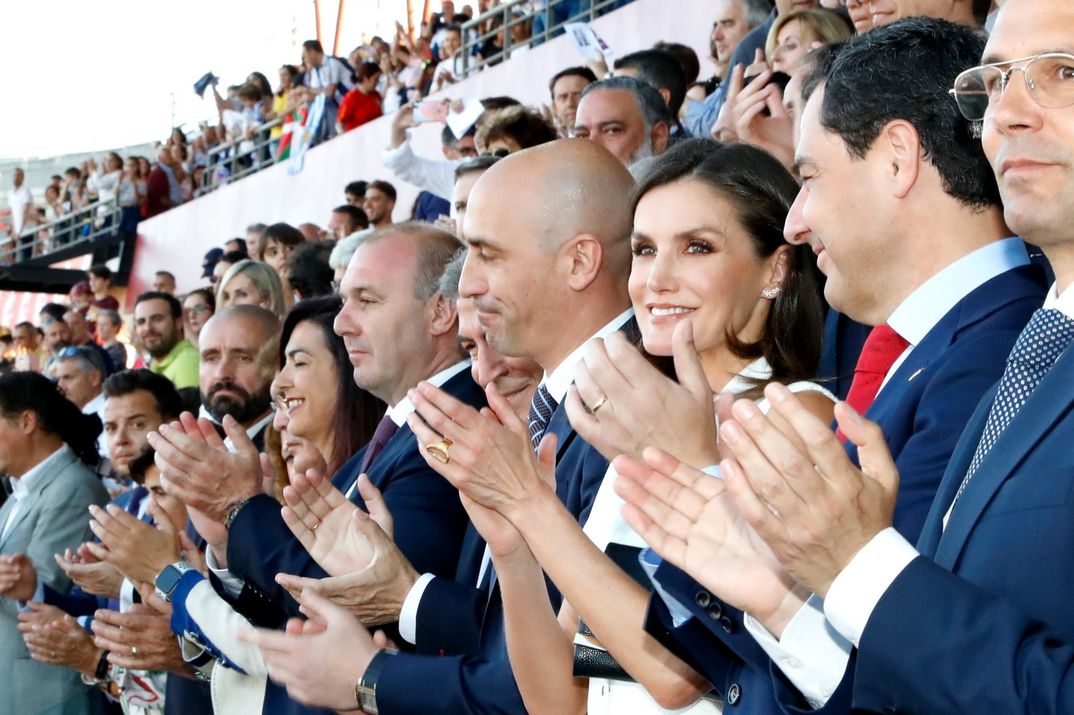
<point>793,35</point>
<point>251,283</point>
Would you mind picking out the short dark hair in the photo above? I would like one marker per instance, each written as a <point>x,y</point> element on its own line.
<point>448,139</point>
<point>313,46</point>
<point>357,412</point>
<point>207,295</point>
<point>453,27</point>
<point>282,233</point>
<point>242,242</point>
<point>660,70</point>
<point>478,163</point>
<point>169,274</point>
<point>26,324</point>
<point>355,214</point>
<point>356,188</point>
<point>686,57</point>
<point>54,311</point>
<point>167,399</point>
<point>762,192</point>
<point>26,391</point>
<point>868,87</point>
<point>233,257</point>
<point>101,271</point>
<point>525,126</point>
<point>819,62</point>
<point>173,302</point>
<point>367,70</point>
<point>308,270</point>
<point>578,71</point>
<point>382,186</point>
<point>491,104</point>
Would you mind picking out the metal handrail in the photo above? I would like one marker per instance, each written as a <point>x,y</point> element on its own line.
<point>472,38</point>
<point>99,219</point>
<point>226,163</point>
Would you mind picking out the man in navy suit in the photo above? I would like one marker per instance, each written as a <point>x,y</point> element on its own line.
<point>901,206</point>
<point>528,266</point>
<point>976,618</point>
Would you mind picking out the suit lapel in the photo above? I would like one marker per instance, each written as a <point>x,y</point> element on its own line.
<point>41,484</point>
<point>1048,403</point>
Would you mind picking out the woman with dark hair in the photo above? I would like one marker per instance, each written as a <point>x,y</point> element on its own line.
<point>710,261</point>
<point>315,387</point>
<point>363,103</point>
<point>46,446</point>
<point>275,246</point>
<point>198,306</point>
<point>309,272</point>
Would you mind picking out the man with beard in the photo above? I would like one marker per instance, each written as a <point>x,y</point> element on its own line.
<point>625,116</point>
<point>238,360</point>
<point>157,322</point>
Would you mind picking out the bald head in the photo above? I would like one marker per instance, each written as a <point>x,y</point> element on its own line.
<point>565,250</point>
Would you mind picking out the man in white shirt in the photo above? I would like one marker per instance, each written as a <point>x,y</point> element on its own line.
<point>21,203</point>
<point>329,76</point>
<point>80,373</point>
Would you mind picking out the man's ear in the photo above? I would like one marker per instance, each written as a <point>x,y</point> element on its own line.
<point>442,315</point>
<point>660,135</point>
<point>26,422</point>
<point>902,149</point>
<point>584,257</point>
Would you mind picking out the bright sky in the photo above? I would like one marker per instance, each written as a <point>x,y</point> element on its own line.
<point>87,75</point>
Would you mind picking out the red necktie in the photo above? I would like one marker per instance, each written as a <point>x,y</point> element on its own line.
<point>882,348</point>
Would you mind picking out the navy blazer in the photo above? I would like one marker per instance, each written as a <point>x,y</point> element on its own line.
<point>921,411</point>
<point>462,665</point>
<point>429,518</point>
<point>843,340</point>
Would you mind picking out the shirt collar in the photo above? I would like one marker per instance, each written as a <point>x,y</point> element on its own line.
<point>94,406</point>
<point>20,487</point>
<point>561,378</point>
<point>402,409</point>
<point>1063,302</point>
<point>922,310</point>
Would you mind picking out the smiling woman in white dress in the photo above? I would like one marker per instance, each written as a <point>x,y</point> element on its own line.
<point>708,249</point>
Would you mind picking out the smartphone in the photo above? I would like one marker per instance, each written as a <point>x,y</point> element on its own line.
<point>430,111</point>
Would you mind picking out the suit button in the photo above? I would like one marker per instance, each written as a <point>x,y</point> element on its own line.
<point>734,694</point>
<point>727,624</point>
<point>715,611</point>
<point>703,599</point>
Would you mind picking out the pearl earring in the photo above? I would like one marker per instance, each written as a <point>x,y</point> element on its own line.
<point>770,293</point>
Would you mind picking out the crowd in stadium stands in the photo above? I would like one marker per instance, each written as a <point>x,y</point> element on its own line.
<point>746,394</point>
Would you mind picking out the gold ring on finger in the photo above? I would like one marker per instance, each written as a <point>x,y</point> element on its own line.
<point>598,404</point>
<point>439,450</point>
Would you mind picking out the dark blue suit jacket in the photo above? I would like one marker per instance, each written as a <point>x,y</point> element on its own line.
<point>922,412</point>
<point>843,340</point>
<point>462,665</point>
<point>429,518</point>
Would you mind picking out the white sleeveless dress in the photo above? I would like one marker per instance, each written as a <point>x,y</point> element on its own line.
<point>606,525</point>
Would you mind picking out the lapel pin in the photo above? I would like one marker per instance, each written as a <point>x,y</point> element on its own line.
<point>916,373</point>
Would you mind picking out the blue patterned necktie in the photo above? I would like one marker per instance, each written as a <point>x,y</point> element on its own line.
<point>541,409</point>
<point>1047,335</point>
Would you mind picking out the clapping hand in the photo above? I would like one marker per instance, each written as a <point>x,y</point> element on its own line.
<point>54,637</point>
<point>90,573</point>
<point>140,639</point>
<point>621,404</point>
<point>808,501</point>
<point>134,547</point>
<point>18,577</point>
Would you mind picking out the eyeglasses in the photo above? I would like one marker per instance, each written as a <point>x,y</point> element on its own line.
<point>199,308</point>
<point>1048,77</point>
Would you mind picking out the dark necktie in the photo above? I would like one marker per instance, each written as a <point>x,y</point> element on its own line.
<point>1047,335</point>
<point>384,432</point>
<point>541,409</point>
<point>880,351</point>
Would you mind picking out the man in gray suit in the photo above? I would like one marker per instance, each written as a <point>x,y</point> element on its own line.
<point>45,443</point>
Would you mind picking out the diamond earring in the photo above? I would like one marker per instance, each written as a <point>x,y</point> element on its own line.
<point>770,293</point>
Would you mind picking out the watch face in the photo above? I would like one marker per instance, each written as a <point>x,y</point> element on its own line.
<point>168,578</point>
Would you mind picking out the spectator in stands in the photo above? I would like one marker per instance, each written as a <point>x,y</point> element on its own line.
<point>226,261</point>
<point>354,192</point>
<point>345,220</point>
<point>363,103</point>
<point>513,129</point>
<point>253,235</point>
<point>463,147</point>
<point>329,76</point>
<point>284,100</point>
<point>237,363</point>
<point>312,231</point>
<point>57,337</point>
<point>308,271</point>
<point>31,351</point>
<point>74,190</point>
<point>132,195</point>
<point>198,306</point>
<point>106,184</point>
<point>661,71</point>
<point>46,448</point>
<point>239,245</point>
<point>252,283</point>
<point>21,203</point>
<point>79,331</point>
<point>625,116</point>
<point>79,373</point>
<point>164,282</point>
<point>50,311</point>
<point>108,326</point>
<point>379,203</point>
<point>158,325</point>
<point>686,57</point>
<point>208,263</point>
<point>161,186</point>
<point>466,175</point>
<point>100,283</point>
<point>565,89</point>
<point>735,19</point>
<point>275,246</point>
<point>794,34</point>
<point>449,69</point>
<point>80,296</point>
<point>341,255</point>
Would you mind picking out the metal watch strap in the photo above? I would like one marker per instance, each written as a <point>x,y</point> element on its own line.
<point>365,690</point>
<point>233,512</point>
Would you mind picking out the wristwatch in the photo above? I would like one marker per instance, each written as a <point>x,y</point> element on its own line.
<point>365,690</point>
<point>168,579</point>
<point>233,511</point>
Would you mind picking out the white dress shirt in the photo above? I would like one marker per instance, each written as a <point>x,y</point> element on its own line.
<point>94,407</point>
<point>20,486</point>
<point>814,648</point>
<point>437,176</point>
<point>557,383</point>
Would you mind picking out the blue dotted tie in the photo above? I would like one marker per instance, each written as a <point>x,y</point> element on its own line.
<point>541,409</point>
<point>1047,335</point>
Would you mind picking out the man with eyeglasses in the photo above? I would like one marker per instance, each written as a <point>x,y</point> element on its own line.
<point>976,618</point>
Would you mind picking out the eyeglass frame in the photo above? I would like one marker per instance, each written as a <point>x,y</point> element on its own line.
<point>1005,77</point>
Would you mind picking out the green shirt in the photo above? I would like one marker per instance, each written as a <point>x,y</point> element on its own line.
<point>180,365</point>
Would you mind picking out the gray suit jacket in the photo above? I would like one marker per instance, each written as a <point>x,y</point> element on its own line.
<point>51,518</point>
